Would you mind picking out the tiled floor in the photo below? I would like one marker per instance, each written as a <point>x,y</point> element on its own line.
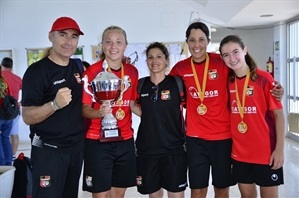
<point>289,190</point>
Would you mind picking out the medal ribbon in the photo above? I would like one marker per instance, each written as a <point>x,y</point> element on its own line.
<point>241,106</point>
<point>122,71</point>
<point>120,114</point>
<point>204,83</point>
<point>119,100</point>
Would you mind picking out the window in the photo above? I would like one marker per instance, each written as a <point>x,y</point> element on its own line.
<point>292,79</point>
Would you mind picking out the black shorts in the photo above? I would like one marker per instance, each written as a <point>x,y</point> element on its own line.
<point>110,164</point>
<point>169,172</point>
<point>55,173</point>
<point>259,174</point>
<point>205,154</point>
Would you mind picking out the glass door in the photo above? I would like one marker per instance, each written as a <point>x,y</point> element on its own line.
<point>293,80</point>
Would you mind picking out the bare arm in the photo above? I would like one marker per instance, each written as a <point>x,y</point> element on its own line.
<point>91,113</point>
<point>135,108</point>
<point>277,157</point>
<point>36,114</point>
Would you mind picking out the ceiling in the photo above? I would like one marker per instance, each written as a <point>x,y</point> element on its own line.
<point>244,13</point>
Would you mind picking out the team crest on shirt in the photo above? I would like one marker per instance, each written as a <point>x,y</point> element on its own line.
<point>139,180</point>
<point>165,95</point>
<point>45,181</point>
<point>213,74</point>
<point>88,181</point>
<point>78,78</point>
<point>249,91</point>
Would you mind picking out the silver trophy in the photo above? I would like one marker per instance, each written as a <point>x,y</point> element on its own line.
<point>106,86</point>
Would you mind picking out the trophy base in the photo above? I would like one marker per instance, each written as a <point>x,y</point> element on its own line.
<point>110,135</point>
<point>113,139</point>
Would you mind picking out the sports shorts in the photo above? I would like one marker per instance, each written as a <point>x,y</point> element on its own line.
<point>260,174</point>
<point>207,157</point>
<point>55,173</point>
<point>168,172</point>
<point>109,164</point>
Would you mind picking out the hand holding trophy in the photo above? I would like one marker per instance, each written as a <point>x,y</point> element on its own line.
<point>106,86</point>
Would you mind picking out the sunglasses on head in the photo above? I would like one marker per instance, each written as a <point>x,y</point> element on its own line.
<point>154,97</point>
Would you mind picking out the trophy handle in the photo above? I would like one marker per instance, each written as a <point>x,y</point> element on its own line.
<point>85,85</point>
<point>125,84</point>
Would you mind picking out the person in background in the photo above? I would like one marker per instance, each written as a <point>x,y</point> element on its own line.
<point>110,165</point>
<point>85,65</point>
<point>160,143</point>
<point>251,100</point>
<point>15,85</point>
<point>208,132</point>
<point>5,128</point>
<point>52,106</point>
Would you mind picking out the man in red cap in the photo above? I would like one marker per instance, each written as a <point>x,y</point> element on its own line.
<point>51,100</point>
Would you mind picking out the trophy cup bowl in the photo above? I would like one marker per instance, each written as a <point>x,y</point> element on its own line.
<point>108,90</point>
<point>106,87</point>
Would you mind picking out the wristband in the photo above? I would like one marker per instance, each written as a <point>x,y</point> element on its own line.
<point>53,106</point>
<point>56,104</point>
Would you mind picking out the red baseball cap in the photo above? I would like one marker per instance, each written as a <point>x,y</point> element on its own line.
<point>63,23</point>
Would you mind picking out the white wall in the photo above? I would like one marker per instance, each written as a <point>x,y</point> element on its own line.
<point>25,24</point>
<point>259,42</point>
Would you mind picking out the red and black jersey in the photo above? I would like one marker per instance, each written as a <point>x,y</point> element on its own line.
<point>257,144</point>
<point>215,123</point>
<point>125,125</point>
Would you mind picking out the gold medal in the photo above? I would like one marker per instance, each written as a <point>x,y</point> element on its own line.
<point>120,114</point>
<point>202,109</point>
<point>242,127</point>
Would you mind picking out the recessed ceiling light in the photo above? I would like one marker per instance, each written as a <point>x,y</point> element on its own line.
<point>266,15</point>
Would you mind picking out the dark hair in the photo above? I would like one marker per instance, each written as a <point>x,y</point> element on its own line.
<point>85,64</point>
<point>198,25</point>
<point>7,62</point>
<point>160,46</point>
<point>102,55</point>
<point>248,59</point>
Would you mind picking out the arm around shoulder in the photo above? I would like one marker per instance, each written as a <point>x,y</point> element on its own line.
<point>277,90</point>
